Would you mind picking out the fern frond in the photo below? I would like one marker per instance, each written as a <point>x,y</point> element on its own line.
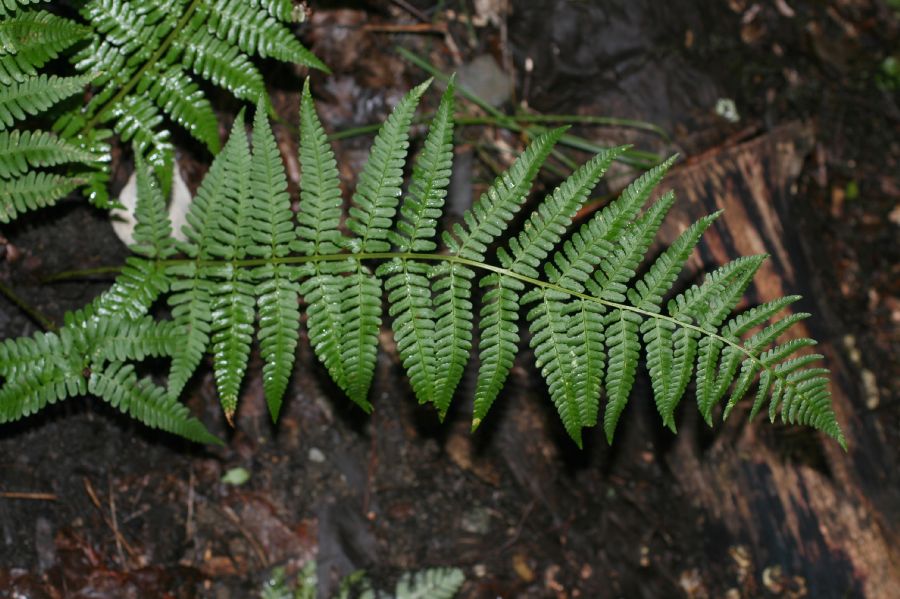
<point>378,190</point>
<point>118,385</point>
<point>271,234</point>
<point>242,23</point>
<point>31,39</point>
<point>589,319</point>
<point>435,583</point>
<point>22,150</point>
<point>34,190</point>
<point>35,95</point>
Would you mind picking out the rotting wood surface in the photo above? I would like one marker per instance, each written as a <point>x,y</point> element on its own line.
<point>826,528</point>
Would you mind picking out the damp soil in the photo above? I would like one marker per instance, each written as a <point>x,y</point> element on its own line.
<point>95,505</point>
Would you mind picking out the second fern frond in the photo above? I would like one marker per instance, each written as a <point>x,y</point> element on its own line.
<point>249,264</point>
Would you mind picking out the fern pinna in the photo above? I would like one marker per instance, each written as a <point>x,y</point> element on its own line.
<point>249,263</point>
<point>142,59</point>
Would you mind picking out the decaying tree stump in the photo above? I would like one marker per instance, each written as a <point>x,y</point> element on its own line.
<point>820,529</point>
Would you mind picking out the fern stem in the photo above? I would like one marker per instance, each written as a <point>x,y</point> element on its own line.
<point>151,62</point>
<point>512,123</point>
<point>44,322</point>
<point>81,274</point>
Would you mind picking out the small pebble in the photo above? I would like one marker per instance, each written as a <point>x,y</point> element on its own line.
<point>316,455</point>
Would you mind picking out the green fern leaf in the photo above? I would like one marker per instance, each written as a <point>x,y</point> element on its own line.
<point>232,295</point>
<point>153,232</point>
<point>34,190</point>
<point>35,95</point>
<point>435,583</point>
<point>118,385</point>
<point>423,204</point>
<point>137,121</point>
<point>361,316</point>
<point>318,218</point>
<point>378,190</point>
<point>272,232</point>
<point>22,150</point>
<point>498,342</point>
<point>622,349</point>
<point>11,6</point>
<point>588,320</point>
<point>283,10</point>
<point>452,287</point>
<point>488,217</point>
<point>319,212</point>
<point>241,23</point>
<point>123,339</point>
<point>183,101</point>
<point>138,285</point>
<point>31,39</point>
<point>409,289</point>
<point>222,64</point>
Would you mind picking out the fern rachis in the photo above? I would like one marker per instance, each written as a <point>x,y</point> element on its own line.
<point>589,320</point>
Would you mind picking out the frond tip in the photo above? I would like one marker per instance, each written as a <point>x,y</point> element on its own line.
<point>594,311</point>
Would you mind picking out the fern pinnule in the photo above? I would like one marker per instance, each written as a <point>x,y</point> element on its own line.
<point>21,151</point>
<point>117,384</point>
<point>173,91</point>
<point>272,230</point>
<point>11,6</point>
<point>485,221</point>
<point>153,231</point>
<point>487,218</point>
<point>573,264</point>
<point>242,23</point>
<point>378,189</point>
<point>137,121</point>
<point>549,323</point>
<point>32,191</point>
<point>407,281</point>
<point>36,94</point>
<point>31,39</point>
<point>232,298</point>
<point>318,220</point>
<point>222,65</point>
